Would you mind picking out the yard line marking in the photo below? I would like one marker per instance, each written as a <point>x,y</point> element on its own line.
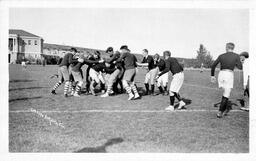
<point>119,111</point>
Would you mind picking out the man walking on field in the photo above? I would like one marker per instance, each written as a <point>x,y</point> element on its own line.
<point>228,61</point>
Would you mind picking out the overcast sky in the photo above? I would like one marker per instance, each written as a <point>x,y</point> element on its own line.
<point>178,30</point>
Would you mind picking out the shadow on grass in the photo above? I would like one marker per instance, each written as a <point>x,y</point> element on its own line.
<point>17,89</point>
<point>102,148</point>
<point>186,100</point>
<point>230,104</point>
<point>24,99</point>
<point>21,80</point>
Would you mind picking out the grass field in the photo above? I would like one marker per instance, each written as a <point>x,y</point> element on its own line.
<point>41,122</point>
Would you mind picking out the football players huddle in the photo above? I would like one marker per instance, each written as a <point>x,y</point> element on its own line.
<point>120,68</point>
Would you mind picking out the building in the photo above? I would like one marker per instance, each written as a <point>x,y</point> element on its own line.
<point>23,44</point>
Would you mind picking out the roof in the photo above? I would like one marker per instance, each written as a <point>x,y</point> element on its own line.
<point>21,33</point>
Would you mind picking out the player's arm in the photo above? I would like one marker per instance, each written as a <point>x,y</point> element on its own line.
<point>89,62</point>
<point>121,57</point>
<point>71,60</point>
<point>59,61</point>
<point>239,64</point>
<point>166,69</point>
<point>143,63</point>
<point>215,63</point>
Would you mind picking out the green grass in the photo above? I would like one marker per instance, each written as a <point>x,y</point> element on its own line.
<point>121,131</point>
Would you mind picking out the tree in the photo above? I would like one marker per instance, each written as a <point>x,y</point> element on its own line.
<point>203,57</point>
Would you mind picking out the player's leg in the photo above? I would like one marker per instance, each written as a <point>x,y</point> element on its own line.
<point>225,81</point>
<point>102,82</point>
<point>119,80</point>
<point>159,85</point>
<point>172,98</point>
<point>126,78</point>
<point>60,81</point>
<point>153,74</point>
<point>179,78</point>
<point>134,87</point>
<point>146,83</point>
<point>78,78</point>
<point>87,86</point>
<point>111,81</point>
<point>165,82</point>
<point>65,74</point>
<point>95,80</point>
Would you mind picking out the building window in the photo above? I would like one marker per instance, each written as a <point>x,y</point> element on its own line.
<point>35,42</point>
<point>29,42</point>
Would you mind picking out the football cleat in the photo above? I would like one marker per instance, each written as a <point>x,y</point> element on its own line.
<point>76,95</point>
<point>53,92</point>
<point>169,108</point>
<point>136,96</point>
<point>181,104</point>
<point>220,114</point>
<point>130,96</point>
<point>105,95</point>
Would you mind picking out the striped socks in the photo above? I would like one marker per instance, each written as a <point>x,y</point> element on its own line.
<point>66,87</point>
<point>134,89</point>
<point>56,86</point>
<point>109,89</point>
<point>78,89</point>
<point>128,90</point>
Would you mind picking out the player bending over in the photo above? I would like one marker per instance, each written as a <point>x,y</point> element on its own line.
<point>162,80</point>
<point>76,72</point>
<point>96,76</point>
<point>129,73</point>
<point>228,61</point>
<point>172,64</point>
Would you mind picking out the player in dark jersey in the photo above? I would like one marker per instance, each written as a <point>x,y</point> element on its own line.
<point>163,79</point>
<point>228,61</point>
<point>113,78</point>
<point>77,72</point>
<point>130,72</point>
<point>93,57</point>
<point>63,71</point>
<point>172,64</point>
<point>96,76</point>
<point>152,71</point>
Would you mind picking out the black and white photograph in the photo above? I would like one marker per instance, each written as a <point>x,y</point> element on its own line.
<point>128,79</point>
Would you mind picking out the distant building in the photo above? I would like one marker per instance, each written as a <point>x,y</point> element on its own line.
<point>23,44</point>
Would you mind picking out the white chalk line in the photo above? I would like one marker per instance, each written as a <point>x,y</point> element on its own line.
<point>119,111</point>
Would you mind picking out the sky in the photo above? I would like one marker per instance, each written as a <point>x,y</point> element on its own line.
<point>157,29</point>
